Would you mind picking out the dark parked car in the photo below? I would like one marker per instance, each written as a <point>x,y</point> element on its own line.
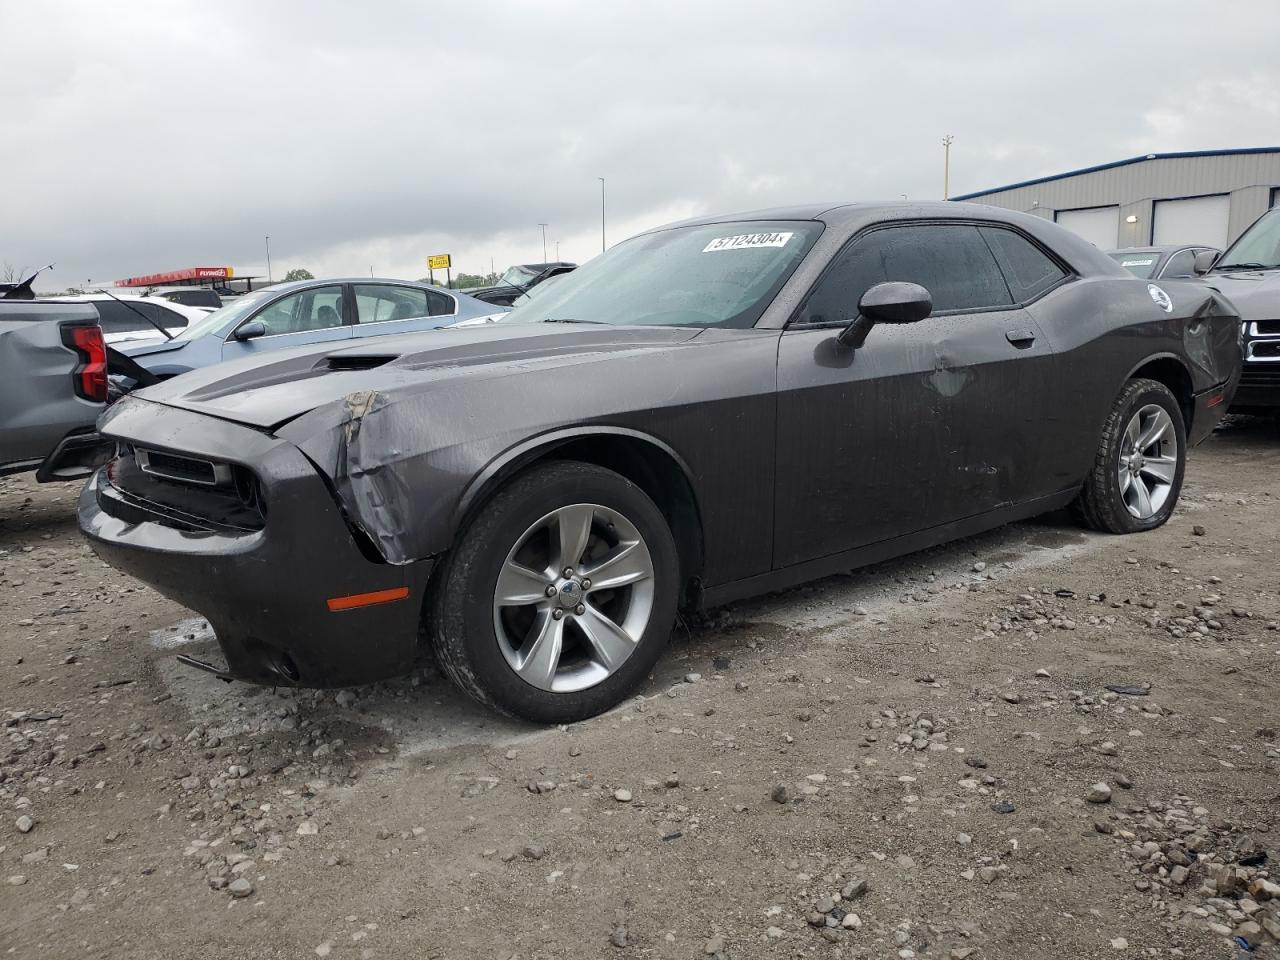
<point>1249,274</point>
<point>1171,261</point>
<point>520,279</point>
<point>712,409</point>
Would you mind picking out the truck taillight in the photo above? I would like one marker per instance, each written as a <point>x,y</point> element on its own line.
<point>90,375</point>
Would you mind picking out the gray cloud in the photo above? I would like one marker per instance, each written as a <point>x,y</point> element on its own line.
<point>150,136</point>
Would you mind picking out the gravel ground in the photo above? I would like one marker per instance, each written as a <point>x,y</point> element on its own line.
<point>923,759</point>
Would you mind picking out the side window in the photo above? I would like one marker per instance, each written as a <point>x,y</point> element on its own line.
<point>951,261</point>
<point>1181,264</point>
<point>116,317</point>
<point>1028,269</point>
<point>377,304</point>
<point>169,319</point>
<point>317,309</point>
<point>440,304</point>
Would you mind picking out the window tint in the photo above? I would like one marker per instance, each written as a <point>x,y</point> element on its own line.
<point>951,261</point>
<point>116,317</point>
<point>440,304</point>
<point>1181,264</point>
<point>316,309</point>
<point>1028,269</point>
<point>169,319</point>
<point>377,304</point>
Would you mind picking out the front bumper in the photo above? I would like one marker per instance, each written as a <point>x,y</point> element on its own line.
<point>264,592</point>
<point>1259,385</point>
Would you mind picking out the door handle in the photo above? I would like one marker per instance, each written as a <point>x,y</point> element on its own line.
<point>1020,338</point>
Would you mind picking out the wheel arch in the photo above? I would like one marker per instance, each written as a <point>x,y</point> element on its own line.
<point>646,461</point>
<point>1170,370</point>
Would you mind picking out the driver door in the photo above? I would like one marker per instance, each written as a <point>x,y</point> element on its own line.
<point>925,423</point>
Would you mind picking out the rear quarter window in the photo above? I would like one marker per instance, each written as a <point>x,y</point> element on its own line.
<point>1028,270</point>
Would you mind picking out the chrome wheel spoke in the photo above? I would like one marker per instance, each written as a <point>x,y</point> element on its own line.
<point>538,665</point>
<point>1126,480</point>
<point>609,642</point>
<point>573,526</point>
<point>519,586</point>
<point>1131,434</point>
<point>1142,497</point>
<point>627,563</point>
<point>1162,469</point>
<point>1156,429</point>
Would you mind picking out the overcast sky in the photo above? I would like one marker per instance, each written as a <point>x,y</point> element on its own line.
<point>142,137</point>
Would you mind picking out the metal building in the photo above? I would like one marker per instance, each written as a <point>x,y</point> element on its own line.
<point>1204,197</point>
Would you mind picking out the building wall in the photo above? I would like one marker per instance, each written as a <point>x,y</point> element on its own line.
<point>1248,178</point>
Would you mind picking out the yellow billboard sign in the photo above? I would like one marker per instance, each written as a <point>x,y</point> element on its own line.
<point>440,261</point>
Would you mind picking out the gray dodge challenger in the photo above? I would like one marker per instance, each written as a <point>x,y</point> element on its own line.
<point>717,408</point>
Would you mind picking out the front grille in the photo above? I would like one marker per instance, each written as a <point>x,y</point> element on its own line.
<point>1268,351</point>
<point>1260,375</point>
<point>1267,328</point>
<point>176,491</point>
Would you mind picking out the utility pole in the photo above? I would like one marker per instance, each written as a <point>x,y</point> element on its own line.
<point>544,241</point>
<point>946,166</point>
<point>267,241</point>
<point>602,246</point>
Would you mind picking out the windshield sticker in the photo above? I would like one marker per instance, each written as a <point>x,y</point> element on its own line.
<point>1160,298</point>
<point>744,240</point>
<point>1136,263</point>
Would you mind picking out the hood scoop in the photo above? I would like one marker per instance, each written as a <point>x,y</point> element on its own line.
<point>356,361</point>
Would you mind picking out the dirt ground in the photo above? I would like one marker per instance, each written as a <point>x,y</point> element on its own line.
<point>902,762</point>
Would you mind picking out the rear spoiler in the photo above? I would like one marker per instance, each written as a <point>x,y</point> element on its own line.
<point>21,290</point>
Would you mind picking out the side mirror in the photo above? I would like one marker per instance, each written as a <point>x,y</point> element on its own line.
<point>250,330</point>
<point>893,302</point>
<point>1204,262</point>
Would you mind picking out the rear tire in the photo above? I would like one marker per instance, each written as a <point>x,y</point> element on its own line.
<point>1137,471</point>
<point>580,650</point>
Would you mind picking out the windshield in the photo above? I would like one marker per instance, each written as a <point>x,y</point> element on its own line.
<point>516,277</point>
<point>1258,247</point>
<point>237,311</point>
<point>713,275</point>
<point>1139,264</point>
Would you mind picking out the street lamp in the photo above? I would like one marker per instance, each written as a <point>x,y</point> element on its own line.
<point>946,166</point>
<point>267,241</point>
<point>602,247</point>
<point>544,241</point>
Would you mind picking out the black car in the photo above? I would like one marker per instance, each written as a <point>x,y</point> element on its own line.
<point>520,279</point>
<point>1170,261</point>
<point>713,409</point>
<point>1249,274</point>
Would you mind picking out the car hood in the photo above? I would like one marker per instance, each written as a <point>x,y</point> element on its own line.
<point>267,392</point>
<point>1255,293</point>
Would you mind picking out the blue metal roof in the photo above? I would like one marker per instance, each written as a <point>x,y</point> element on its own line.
<point>1118,163</point>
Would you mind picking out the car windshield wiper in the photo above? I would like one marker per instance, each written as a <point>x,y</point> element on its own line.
<point>570,320</point>
<point>1246,266</point>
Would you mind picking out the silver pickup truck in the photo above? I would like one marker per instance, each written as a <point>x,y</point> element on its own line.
<point>53,386</point>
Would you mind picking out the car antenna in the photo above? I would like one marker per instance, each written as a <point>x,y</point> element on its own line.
<point>154,323</point>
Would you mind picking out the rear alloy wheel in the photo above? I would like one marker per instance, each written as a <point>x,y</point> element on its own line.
<point>1138,469</point>
<point>560,596</point>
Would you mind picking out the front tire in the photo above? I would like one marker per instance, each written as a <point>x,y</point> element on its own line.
<point>1137,472</point>
<point>560,595</point>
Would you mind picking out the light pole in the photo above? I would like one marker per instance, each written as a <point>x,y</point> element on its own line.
<point>602,247</point>
<point>544,241</point>
<point>946,166</point>
<point>267,241</point>
<point>557,251</point>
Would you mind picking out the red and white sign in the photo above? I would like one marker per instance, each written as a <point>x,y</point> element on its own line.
<point>178,276</point>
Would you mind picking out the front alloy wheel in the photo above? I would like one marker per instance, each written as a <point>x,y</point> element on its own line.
<point>559,596</point>
<point>574,598</point>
